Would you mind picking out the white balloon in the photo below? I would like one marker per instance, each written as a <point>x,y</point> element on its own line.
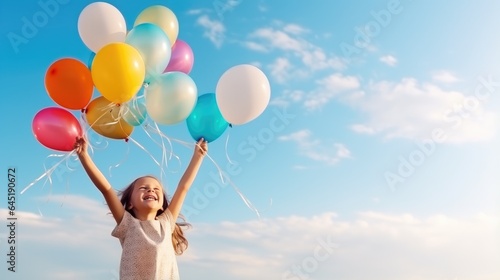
<point>99,24</point>
<point>243,93</point>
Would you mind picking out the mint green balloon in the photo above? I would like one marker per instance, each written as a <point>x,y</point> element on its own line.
<point>134,112</point>
<point>153,45</point>
<point>170,97</point>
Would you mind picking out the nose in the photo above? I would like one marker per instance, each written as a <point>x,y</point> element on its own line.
<point>150,190</point>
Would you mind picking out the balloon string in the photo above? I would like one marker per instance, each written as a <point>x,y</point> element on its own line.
<point>84,123</point>
<point>118,164</point>
<point>49,178</point>
<point>147,128</point>
<point>247,202</point>
<point>168,139</point>
<point>145,150</point>
<point>103,109</point>
<point>227,154</point>
<point>125,109</point>
<point>47,173</point>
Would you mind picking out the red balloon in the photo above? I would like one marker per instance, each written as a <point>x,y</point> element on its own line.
<point>56,128</point>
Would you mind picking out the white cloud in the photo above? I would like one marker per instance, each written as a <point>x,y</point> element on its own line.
<point>79,246</point>
<point>444,77</point>
<point>373,245</point>
<point>409,109</point>
<point>363,129</point>
<point>389,60</point>
<point>280,69</point>
<point>214,30</point>
<point>315,150</point>
<point>288,39</point>
<point>197,11</point>
<point>288,97</point>
<point>255,46</point>
<point>294,29</point>
<point>328,88</point>
<point>263,8</point>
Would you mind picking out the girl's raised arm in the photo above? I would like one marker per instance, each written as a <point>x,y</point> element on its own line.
<point>96,176</point>
<point>187,179</point>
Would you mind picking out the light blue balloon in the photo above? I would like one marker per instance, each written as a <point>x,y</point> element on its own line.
<point>206,120</point>
<point>153,45</point>
<point>91,59</point>
<point>171,97</point>
<point>134,112</point>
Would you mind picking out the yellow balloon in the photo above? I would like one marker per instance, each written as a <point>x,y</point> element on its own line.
<point>103,116</point>
<point>118,72</point>
<point>163,17</point>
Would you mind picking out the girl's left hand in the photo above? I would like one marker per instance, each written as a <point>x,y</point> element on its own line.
<point>201,147</point>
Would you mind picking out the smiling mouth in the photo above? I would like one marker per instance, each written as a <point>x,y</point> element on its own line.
<point>150,198</point>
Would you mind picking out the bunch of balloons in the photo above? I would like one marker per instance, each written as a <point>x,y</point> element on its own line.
<point>141,73</point>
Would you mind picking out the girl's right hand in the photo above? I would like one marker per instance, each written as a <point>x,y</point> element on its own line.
<point>80,146</point>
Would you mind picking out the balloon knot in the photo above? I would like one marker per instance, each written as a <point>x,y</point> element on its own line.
<point>126,140</point>
<point>230,125</point>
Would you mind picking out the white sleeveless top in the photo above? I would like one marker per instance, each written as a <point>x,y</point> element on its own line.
<point>147,250</point>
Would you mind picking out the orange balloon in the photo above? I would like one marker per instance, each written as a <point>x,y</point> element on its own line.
<point>103,116</point>
<point>69,83</point>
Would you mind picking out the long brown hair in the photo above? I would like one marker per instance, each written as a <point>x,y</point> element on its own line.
<point>179,242</point>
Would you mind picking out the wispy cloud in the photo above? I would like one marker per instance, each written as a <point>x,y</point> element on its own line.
<point>280,69</point>
<point>389,60</point>
<point>444,76</point>
<point>78,246</point>
<point>315,150</point>
<point>263,8</point>
<point>409,109</point>
<point>291,41</point>
<point>214,29</point>
<point>197,11</point>
<point>288,97</point>
<point>372,245</point>
<point>328,88</point>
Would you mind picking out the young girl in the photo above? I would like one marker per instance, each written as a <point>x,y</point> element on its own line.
<point>146,221</point>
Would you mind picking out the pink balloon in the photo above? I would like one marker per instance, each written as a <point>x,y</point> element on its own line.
<point>56,128</point>
<point>181,59</point>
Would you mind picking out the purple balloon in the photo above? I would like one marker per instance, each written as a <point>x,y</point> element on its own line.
<point>182,58</point>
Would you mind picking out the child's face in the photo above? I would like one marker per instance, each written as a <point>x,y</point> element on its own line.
<point>147,194</point>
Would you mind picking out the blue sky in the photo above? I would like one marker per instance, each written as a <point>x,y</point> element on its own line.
<point>376,157</point>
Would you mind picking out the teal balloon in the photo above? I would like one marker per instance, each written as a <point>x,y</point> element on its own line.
<point>153,45</point>
<point>135,112</point>
<point>91,59</point>
<point>206,120</point>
